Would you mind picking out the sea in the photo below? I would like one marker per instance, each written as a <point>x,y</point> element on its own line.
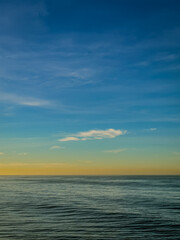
<point>89,207</point>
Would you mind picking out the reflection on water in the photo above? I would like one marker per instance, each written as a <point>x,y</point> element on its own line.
<point>113,207</point>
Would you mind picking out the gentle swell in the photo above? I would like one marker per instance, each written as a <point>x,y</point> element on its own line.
<point>94,208</point>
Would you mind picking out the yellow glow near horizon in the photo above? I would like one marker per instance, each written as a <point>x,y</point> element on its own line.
<point>72,169</point>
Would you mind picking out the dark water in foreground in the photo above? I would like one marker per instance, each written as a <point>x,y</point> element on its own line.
<point>118,207</point>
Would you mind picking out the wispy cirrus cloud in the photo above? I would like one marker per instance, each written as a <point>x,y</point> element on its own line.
<point>116,150</point>
<point>94,135</point>
<point>56,147</point>
<point>23,100</point>
<point>166,57</point>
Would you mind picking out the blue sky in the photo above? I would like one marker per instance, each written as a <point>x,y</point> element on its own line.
<point>71,67</point>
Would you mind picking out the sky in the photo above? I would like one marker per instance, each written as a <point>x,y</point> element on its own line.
<point>89,87</point>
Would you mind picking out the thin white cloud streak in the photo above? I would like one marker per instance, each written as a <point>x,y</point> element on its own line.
<point>94,135</point>
<point>116,150</point>
<point>23,100</point>
<point>151,129</point>
<point>166,57</point>
<point>56,147</point>
<point>23,154</point>
<point>158,58</point>
<point>66,139</point>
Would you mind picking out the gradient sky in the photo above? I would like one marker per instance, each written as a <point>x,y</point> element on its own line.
<point>89,87</point>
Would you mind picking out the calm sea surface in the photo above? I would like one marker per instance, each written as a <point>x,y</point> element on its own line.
<point>118,207</point>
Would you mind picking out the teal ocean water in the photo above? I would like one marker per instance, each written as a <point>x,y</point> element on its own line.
<point>94,207</point>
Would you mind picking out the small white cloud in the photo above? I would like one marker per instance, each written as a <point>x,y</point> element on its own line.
<point>23,154</point>
<point>151,129</point>
<point>100,134</point>
<point>116,150</point>
<point>66,139</point>
<point>94,134</point>
<point>56,147</point>
<point>1,153</point>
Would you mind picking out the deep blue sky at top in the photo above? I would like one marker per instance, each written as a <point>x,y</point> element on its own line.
<point>77,65</point>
